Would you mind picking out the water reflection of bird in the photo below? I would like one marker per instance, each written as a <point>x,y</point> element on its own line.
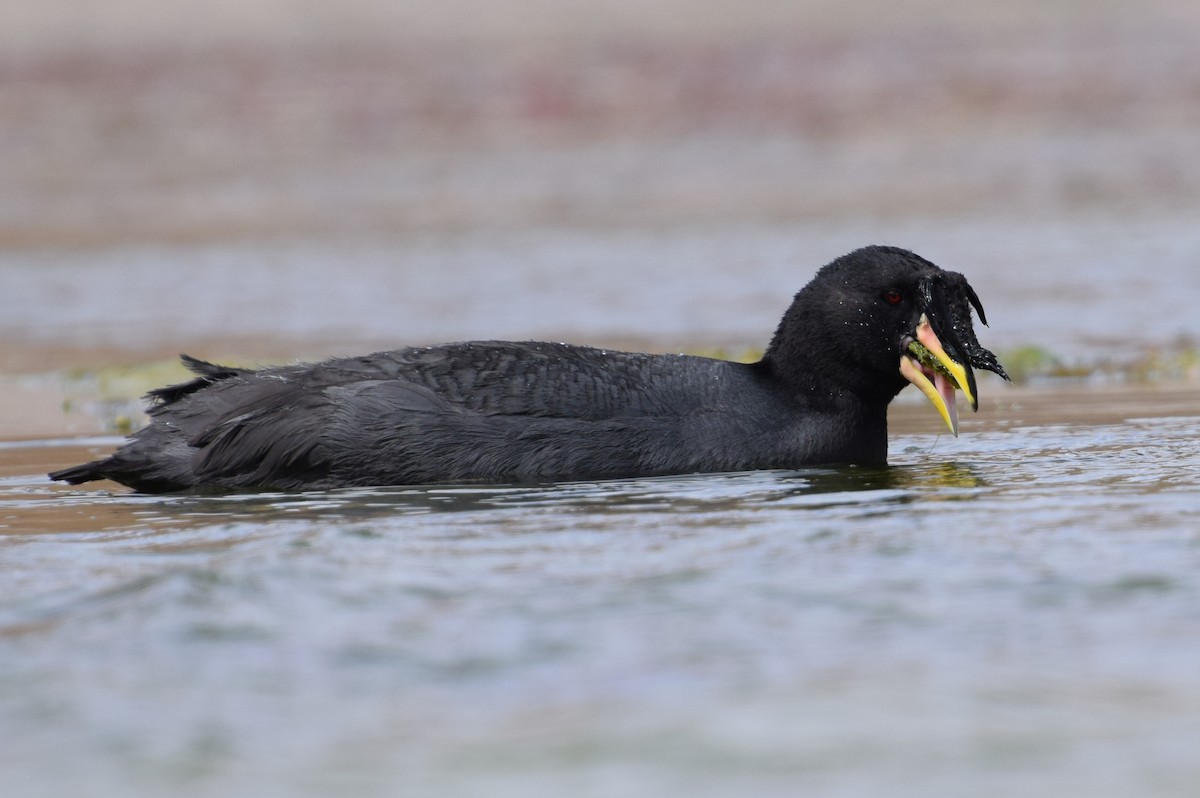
<point>499,411</point>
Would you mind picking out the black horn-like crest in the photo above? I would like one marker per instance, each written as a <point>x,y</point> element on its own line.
<point>948,299</point>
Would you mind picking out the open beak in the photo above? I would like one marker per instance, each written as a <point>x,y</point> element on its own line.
<point>926,365</point>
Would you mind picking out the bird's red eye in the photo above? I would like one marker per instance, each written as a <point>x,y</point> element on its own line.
<point>893,297</point>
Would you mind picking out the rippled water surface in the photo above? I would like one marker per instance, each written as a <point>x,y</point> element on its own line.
<point>1013,612</point>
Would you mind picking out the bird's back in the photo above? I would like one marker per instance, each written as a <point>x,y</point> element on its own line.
<point>479,410</point>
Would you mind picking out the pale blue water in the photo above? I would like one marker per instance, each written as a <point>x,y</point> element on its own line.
<point>1086,289</point>
<point>1013,612</point>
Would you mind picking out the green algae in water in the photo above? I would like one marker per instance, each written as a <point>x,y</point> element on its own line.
<point>927,359</point>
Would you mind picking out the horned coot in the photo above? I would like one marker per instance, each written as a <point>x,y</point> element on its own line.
<point>866,325</point>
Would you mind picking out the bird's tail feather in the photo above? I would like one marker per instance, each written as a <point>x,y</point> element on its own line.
<point>86,472</point>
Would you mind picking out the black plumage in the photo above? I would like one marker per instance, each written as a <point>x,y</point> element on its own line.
<point>530,411</point>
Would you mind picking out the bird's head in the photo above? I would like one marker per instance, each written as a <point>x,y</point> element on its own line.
<point>880,316</point>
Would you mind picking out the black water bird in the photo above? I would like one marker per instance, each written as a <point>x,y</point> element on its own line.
<point>867,324</point>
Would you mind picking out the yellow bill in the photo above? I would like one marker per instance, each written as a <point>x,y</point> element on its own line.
<point>937,375</point>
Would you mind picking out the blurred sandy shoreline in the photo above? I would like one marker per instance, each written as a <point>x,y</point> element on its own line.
<point>136,122</point>
<point>33,25</point>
